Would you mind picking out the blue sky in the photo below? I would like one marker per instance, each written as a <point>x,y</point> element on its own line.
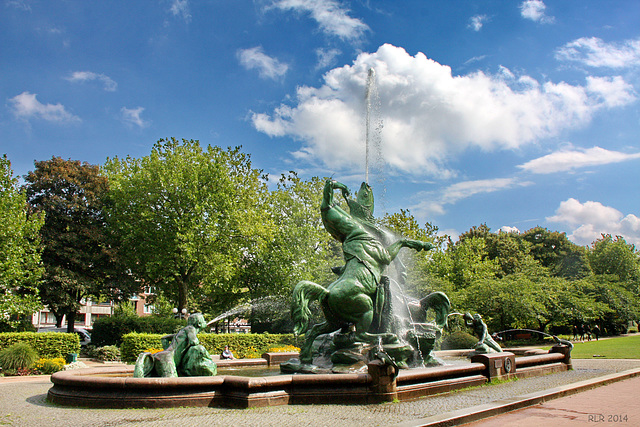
<point>509,113</point>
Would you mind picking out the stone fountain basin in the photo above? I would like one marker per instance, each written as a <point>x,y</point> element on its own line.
<point>115,387</point>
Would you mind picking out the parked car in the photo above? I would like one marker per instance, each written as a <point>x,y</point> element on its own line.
<point>83,334</point>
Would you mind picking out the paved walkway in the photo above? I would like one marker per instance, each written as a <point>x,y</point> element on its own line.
<point>23,403</point>
<point>613,404</point>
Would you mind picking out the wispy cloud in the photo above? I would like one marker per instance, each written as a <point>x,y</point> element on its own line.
<point>591,219</point>
<point>19,4</point>
<point>477,22</point>
<point>180,8</point>
<point>332,17</point>
<point>132,116</point>
<point>429,115</point>
<point>434,204</point>
<point>86,76</point>
<point>26,106</point>
<point>535,11</point>
<point>571,159</point>
<point>267,66</point>
<point>594,52</point>
<point>326,57</point>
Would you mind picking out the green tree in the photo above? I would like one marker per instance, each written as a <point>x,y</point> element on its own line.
<point>556,252</point>
<point>20,267</point>
<point>299,249</point>
<point>79,255</point>
<point>616,257</point>
<point>419,281</point>
<point>512,301</point>
<point>464,262</point>
<point>621,304</point>
<point>188,217</point>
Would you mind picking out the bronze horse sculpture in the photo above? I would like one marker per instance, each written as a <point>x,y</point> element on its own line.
<point>358,301</point>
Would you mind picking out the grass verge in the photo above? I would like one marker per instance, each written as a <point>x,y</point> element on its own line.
<point>612,348</point>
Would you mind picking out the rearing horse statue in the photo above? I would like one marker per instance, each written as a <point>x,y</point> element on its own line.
<point>356,299</point>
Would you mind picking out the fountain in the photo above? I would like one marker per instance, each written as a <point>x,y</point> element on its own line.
<point>374,346</point>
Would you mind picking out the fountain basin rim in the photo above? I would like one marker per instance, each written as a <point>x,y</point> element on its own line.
<point>91,377</point>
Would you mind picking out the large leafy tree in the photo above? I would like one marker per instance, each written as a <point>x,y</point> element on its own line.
<point>416,264</point>
<point>299,249</point>
<point>79,255</point>
<point>553,250</point>
<point>20,267</point>
<point>614,256</point>
<point>188,218</point>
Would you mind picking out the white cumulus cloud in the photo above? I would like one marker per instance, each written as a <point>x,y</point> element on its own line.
<point>594,52</point>
<point>332,17</point>
<point>26,106</point>
<point>590,220</point>
<point>575,158</point>
<point>429,114</point>
<point>535,11</point>
<point>86,76</point>
<point>613,91</point>
<point>267,66</point>
<point>133,116</point>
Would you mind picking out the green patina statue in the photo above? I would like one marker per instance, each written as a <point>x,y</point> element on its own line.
<point>360,322</point>
<point>486,343</point>
<point>182,355</point>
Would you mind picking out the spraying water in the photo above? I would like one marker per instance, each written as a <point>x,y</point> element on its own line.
<point>373,132</point>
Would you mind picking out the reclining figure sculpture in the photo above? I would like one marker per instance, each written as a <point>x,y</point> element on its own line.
<point>183,355</point>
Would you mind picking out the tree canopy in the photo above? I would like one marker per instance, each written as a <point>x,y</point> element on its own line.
<point>20,267</point>
<point>188,218</point>
<point>79,255</point>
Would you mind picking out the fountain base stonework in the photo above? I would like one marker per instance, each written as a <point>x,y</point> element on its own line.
<point>114,387</point>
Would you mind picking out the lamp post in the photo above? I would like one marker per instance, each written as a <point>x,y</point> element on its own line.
<point>183,314</point>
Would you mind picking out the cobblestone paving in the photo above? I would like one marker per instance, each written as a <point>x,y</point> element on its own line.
<point>24,404</point>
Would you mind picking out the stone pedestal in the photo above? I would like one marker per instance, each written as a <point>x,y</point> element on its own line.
<point>497,365</point>
<point>563,349</point>
<point>383,382</point>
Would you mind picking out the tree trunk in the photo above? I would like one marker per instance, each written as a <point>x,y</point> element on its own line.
<point>58,317</point>
<point>71,321</point>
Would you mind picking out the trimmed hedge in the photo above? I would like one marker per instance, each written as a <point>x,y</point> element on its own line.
<point>458,340</point>
<point>240,344</point>
<point>110,330</point>
<point>48,344</point>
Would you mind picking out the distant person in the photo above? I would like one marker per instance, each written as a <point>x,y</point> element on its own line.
<point>587,332</point>
<point>226,353</point>
<point>575,332</point>
<point>596,331</point>
<point>581,332</point>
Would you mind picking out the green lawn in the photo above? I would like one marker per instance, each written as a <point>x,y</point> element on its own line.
<point>612,348</point>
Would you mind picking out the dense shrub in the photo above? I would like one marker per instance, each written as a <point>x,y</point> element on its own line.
<point>18,356</point>
<point>108,353</point>
<point>110,330</point>
<point>23,325</point>
<point>48,344</point>
<point>242,345</point>
<point>458,340</point>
